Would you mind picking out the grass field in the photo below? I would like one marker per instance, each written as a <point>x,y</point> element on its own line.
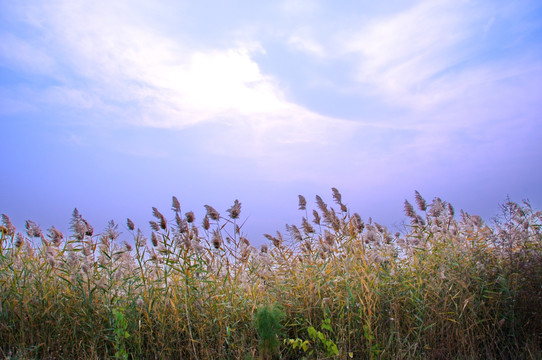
<point>450,286</point>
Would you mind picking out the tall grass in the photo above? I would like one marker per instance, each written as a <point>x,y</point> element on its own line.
<point>448,287</point>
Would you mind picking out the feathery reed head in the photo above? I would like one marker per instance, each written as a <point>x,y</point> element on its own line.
<point>235,210</point>
<point>317,218</point>
<point>422,204</point>
<point>162,220</point>
<point>175,204</point>
<point>190,217</point>
<point>337,196</point>
<point>10,229</point>
<point>409,210</point>
<point>212,213</point>
<point>154,225</point>
<point>19,240</point>
<point>55,235</point>
<point>130,224</point>
<point>206,223</point>
<point>32,229</point>
<point>307,227</point>
<point>89,230</point>
<point>321,204</point>
<point>302,202</point>
<point>217,239</point>
<point>154,239</point>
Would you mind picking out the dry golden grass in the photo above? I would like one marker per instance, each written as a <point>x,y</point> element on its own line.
<point>449,287</point>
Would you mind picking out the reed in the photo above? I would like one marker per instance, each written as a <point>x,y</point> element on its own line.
<point>450,286</point>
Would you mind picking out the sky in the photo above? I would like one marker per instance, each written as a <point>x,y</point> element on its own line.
<point>114,107</point>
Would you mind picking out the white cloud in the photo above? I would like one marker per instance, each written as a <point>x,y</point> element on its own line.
<point>404,55</point>
<point>24,55</point>
<point>299,7</point>
<point>141,77</point>
<point>303,41</point>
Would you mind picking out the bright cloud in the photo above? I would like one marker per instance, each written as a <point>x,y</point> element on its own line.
<point>171,83</point>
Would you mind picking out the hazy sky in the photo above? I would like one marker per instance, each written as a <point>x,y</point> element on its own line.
<point>114,106</point>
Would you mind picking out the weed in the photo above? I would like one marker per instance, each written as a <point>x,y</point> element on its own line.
<point>448,286</point>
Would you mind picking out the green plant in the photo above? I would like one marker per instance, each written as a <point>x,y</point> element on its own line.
<point>121,333</point>
<point>316,337</point>
<point>374,348</point>
<point>268,325</point>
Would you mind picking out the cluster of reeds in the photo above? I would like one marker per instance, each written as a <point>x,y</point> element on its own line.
<point>449,286</point>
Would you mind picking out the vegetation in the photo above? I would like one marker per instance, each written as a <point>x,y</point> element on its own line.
<point>447,287</point>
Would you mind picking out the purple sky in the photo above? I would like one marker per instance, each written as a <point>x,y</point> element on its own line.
<point>113,107</point>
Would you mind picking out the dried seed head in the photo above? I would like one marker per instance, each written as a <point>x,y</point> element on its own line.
<point>329,238</point>
<point>76,215</point>
<point>175,206</point>
<point>478,221</point>
<point>294,232</point>
<point>195,232</point>
<point>56,236</point>
<point>337,196</point>
<point>10,229</point>
<point>422,204</point>
<point>280,239</point>
<point>307,227</point>
<point>89,230</point>
<point>245,252</point>
<point>409,210</point>
<point>277,241</point>
<point>206,223</point>
<point>157,214</point>
<point>32,229</point>
<point>19,240</point>
<point>217,239</point>
<point>140,240</point>
<point>85,268</point>
<point>154,239</point>
<point>111,232</point>
<point>178,220</point>
<point>130,224</point>
<point>332,219</point>
<point>128,246</point>
<point>264,248</point>
<point>436,208</point>
<point>212,213</point>
<point>317,218</point>
<point>154,225</point>
<point>357,222</point>
<point>235,210</point>
<point>79,230</point>
<point>269,237</point>
<point>87,249</point>
<point>190,217</point>
<point>182,225</point>
<point>321,204</point>
<point>244,241</point>
<point>451,210</point>
<point>302,202</point>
